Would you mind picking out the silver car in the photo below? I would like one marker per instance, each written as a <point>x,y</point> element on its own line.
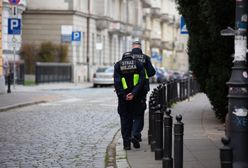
<point>103,76</point>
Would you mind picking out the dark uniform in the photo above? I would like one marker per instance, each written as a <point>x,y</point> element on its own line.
<point>129,77</point>
<point>138,123</point>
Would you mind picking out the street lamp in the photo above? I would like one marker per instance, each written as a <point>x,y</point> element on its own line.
<point>237,117</point>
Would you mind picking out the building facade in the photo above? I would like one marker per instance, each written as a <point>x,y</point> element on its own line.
<point>107,28</point>
<point>2,83</point>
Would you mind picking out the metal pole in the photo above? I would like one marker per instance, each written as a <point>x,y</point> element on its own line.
<point>237,119</point>
<point>159,134</point>
<point>88,43</point>
<point>167,159</point>
<point>14,73</point>
<point>189,88</point>
<point>178,142</point>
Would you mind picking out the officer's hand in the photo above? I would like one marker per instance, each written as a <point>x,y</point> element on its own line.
<point>129,96</point>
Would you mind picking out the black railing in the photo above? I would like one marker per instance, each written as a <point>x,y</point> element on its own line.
<point>161,122</point>
<point>53,72</point>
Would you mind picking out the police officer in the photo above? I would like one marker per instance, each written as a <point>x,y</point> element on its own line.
<point>129,75</point>
<point>138,122</point>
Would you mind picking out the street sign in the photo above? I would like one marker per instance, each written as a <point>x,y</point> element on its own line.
<point>183,27</point>
<point>76,36</point>
<point>14,26</point>
<point>14,2</point>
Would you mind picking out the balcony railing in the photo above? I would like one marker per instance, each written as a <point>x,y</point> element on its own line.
<point>155,43</point>
<point>167,45</point>
<point>155,12</point>
<point>102,23</point>
<point>146,3</point>
<point>164,17</point>
<point>147,34</point>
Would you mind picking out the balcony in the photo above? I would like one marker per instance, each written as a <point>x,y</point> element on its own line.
<point>155,43</point>
<point>147,34</point>
<point>146,3</point>
<point>114,27</point>
<point>164,17</point>
<point>137,32</point>
<point>102,23</point>
<point>167,45</point>
<point>119,28</point>
<point>155,12</point>
<point>129,30</point>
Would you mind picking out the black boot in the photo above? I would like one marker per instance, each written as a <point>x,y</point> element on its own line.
<point>127,146</point>
<point>135,142</point>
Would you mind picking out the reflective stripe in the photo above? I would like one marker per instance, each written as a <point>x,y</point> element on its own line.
<point>124,83</point>
<point>146,74</point>
<point>135,79</point>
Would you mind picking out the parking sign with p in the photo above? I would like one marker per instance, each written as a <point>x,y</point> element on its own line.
<point>76,36</point>
<point>14,26</point>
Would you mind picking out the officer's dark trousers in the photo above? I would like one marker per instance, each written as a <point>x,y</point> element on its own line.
<point>138,118</point>
<point>126,110</point>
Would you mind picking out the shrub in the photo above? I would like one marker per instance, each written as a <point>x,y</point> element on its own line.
<point>28,53</point>
<point>46,52</point>
<point>209,52</point>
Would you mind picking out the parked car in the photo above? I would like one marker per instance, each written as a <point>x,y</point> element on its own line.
<point>103,76</point>
<point>161,76</point>
<point>176,76</point>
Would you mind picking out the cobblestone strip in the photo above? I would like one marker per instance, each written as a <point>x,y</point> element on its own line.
<point>121,155</point>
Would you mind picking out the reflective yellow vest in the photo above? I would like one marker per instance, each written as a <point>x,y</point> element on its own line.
<point>135,81</point>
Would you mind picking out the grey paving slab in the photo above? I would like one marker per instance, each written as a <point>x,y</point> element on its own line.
<point>201,137</point>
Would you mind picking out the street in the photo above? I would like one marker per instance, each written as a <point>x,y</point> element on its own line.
<point>72,131</point>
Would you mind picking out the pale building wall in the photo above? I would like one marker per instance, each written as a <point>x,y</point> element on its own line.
<point>114,43</point>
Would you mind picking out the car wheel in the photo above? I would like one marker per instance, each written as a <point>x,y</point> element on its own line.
<point>94,85</point>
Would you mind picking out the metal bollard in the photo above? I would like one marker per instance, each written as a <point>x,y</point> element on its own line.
<point>153,126</point>
<point>9,83</point>
<point>151,105</point>
<point>159,134</point>
<point>226,154</point>
<point>167,159</point>
<point>178,142</point>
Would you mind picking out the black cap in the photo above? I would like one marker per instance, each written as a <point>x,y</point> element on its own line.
<point>136,42</point>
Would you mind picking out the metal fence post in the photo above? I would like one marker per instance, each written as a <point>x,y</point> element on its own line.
<point>178,142</point>
<point>159,134</point>
<point>167,159</point>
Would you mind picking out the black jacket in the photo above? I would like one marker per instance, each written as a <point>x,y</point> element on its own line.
<point>146,61</point>
<point>126,68</point>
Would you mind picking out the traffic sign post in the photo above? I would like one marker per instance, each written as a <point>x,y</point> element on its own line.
<point>14,28</point>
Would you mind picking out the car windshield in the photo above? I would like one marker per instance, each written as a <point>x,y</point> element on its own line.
<point>102,69</point>
<point>111,69</point>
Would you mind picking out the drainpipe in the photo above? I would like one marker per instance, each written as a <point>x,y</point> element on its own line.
<point>88,43</point>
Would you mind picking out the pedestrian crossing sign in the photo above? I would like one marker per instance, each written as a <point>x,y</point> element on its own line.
<point>183,26</point>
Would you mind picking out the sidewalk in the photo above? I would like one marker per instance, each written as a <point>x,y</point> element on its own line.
<point>201,138</point>
<point>27,95</point>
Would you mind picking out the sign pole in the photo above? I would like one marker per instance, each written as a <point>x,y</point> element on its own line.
<point>14,73</point>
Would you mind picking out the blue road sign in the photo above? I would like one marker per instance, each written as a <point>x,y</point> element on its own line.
<point>76,36</point>
<point>183,27</point>
<point>14,2</point>
<point>14,26</point>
